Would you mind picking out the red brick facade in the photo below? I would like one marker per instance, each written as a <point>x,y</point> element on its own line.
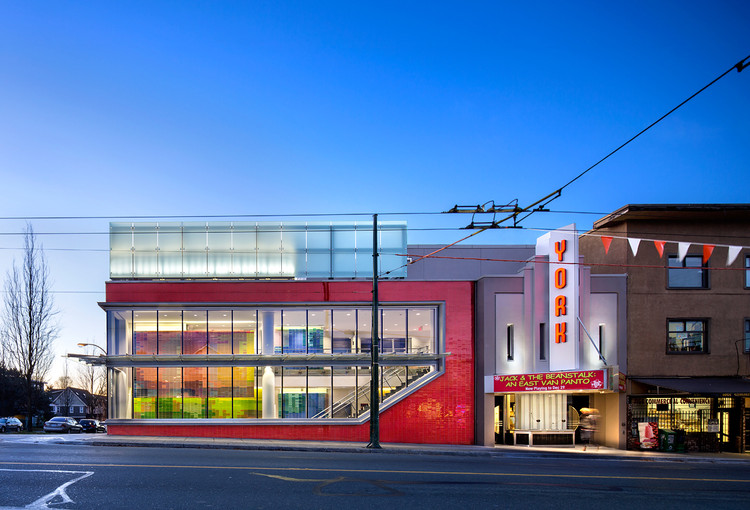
<point>442,412</point>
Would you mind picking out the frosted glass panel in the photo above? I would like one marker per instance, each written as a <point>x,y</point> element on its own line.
<point>254,250</point>
<point>121,264</point>
<point>319,265</point>
<point>170,237</point>
<point>144,264</point>
<point>120,236</point>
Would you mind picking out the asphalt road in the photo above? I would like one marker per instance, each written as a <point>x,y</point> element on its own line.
<point>64,476</point>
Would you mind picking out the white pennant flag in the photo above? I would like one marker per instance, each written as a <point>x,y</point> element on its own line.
<point>682,249</point>
<point>634,245</point>
<point>732,255</point>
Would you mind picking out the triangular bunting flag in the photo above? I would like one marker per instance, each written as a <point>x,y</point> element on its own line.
<point>682,249</point>
<point>606,241</point>
<point>708,249</point>
<point>634,245</point>
<point>660,247</point>
<point>732,255</point>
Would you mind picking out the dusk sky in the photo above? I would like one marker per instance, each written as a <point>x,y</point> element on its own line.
<point>121,110</point>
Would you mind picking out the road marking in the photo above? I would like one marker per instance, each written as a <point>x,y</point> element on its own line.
<point>391,471</point>
<point>60,492</point>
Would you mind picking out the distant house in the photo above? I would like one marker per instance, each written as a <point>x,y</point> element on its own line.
<point>77,403</point>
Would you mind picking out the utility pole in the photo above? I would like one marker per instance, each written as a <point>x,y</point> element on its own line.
<point>374,362</point>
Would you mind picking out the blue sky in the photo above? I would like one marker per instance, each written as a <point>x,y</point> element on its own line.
<point>226,108</point>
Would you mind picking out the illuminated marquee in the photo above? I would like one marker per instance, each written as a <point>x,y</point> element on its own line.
<point>551,381</point>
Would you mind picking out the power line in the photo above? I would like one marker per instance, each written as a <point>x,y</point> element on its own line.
<point>211,216</point>
<point>739,66</point>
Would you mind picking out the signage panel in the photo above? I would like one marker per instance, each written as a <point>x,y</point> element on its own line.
<point>592,380</point>
<point>563,299</point>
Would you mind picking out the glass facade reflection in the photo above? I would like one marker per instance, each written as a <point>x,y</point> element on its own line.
<point>260,363</point>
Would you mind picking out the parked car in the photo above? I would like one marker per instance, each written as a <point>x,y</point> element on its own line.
<point>62,424</point>
<point>10,423</point>
<point>89,425</point>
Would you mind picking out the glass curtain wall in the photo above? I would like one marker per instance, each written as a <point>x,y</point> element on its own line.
<point>293,391</point>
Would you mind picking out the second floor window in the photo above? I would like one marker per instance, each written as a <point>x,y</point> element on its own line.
<point>747,335</point>
<point>688,273</point>
<point>687,335</point>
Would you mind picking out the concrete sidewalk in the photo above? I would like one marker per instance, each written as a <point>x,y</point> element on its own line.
<point>416,449</point>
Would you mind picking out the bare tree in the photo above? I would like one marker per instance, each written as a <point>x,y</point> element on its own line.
<point>64,381</point>
<point>28,318</point>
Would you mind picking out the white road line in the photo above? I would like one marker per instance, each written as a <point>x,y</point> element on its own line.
<point>60,492</point>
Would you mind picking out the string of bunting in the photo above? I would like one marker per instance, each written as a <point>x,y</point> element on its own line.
<point>682,247</point>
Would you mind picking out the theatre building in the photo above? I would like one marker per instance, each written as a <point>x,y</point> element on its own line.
<point>550,343</point>
<point>264,330</point>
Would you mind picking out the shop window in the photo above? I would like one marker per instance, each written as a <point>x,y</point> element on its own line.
<point>688,273</point>
<point>687,336</point>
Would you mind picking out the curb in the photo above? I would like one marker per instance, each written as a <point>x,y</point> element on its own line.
<point>388,450</point>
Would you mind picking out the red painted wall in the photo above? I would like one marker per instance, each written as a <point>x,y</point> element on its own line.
<point>440,413</point>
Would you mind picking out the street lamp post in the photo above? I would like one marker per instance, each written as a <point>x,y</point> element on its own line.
<point>106,375</point>
<point>83,344</point>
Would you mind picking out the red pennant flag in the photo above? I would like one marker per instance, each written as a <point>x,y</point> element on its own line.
<point>708,249</point>
<point>606,241</point>
<point>660,247</point>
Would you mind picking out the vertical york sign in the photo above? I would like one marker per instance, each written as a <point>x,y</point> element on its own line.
<point>563,299</point>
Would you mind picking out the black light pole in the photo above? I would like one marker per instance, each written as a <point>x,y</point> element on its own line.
<point>374,363</point>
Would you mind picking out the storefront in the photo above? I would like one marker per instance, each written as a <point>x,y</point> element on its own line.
<point>706,414</point>
<point>265,331</point>
<point>550,348</point>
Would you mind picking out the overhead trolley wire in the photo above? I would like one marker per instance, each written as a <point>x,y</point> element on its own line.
<point>742,64</point>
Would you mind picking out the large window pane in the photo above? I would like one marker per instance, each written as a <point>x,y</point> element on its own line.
<point>220,332</point>
<point>170,393</point>
<point>393,378</point>
<point>219,392</point>
<point>170,332</point>
<point>363,389</point>
<point>318,331</point>
<point>393,337</point>
<point>194,392</point>
<point>344,331</point>
<point>144,332</point>
<point>686,336</point>
<point>247,397</point>
<point>345,399</point>
<point>244,323</point>
<point>144,393</point>
<point>688,273</point>
<point>194,336</point>
<point>293,396</point>
<point>295,331</point>
<point>319,392</point>
<point>422,324</point>
<point>119,332</point>
<point>364,329</point>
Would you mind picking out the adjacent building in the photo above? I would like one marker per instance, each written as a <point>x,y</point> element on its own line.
<point>688,318</point>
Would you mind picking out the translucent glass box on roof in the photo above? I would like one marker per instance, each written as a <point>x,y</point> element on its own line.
<point>255,250</point>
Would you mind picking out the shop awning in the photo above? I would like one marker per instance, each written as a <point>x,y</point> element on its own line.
<point>714,386</point>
